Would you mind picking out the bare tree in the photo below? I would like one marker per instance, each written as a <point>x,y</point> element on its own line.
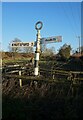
<point>14,49</point>
<point>49,51</point>
<point>28,49</point>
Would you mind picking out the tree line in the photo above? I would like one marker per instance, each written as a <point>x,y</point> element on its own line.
<point>64,52</point>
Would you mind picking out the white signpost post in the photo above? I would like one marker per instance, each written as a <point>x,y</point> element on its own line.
<point>39,40</point>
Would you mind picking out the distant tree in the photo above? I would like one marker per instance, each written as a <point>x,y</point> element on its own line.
<point>28,49</point>
<point>42,47</point>
<point>64,51</point>
<point>49,51</point>
<point>14,49</point>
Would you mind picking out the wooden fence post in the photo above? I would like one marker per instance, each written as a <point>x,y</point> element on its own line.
<point>20,80</point>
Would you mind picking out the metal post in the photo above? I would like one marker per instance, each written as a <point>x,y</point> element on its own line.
<point>37,52</point>
<point>79,45</point>
<point>79,48</point>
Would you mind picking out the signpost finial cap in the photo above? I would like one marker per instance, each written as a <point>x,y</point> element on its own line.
<point>38,25</point>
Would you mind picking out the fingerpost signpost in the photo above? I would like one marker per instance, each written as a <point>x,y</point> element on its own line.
<point>39,40</point>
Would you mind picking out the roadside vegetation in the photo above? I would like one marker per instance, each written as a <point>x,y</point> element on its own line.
<point>53,100</point>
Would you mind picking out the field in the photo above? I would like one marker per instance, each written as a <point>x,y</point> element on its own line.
<point>54,95</point>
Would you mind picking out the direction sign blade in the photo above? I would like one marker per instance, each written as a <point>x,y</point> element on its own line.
<point>22,44</point>
<point>51,39</point>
